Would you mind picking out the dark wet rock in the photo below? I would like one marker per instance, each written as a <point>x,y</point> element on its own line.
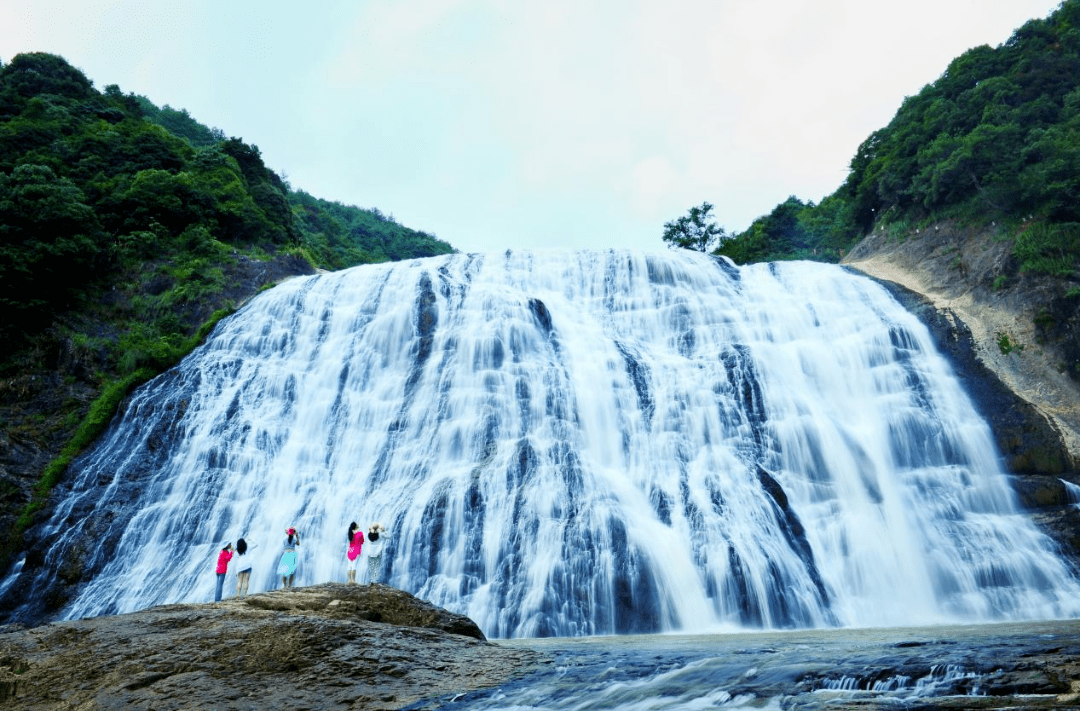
<point>1014,665</point>
<point>326,646</point>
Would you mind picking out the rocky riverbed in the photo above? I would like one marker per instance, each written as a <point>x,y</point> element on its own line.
<point>1016,665</point>
<point>326,646</point>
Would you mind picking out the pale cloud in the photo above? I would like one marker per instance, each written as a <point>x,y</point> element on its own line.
<point>652,183</point>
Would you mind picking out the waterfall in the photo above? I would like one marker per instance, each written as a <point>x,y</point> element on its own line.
<point>569,443</point>
<point>1072,491</point>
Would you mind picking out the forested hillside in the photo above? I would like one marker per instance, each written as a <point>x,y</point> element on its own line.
<point>995,140</point>
<point>95,184</point>
<point>126,232</point>
<point>336,236</point>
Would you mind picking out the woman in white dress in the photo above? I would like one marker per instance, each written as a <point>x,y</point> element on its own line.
<point>376,539</point>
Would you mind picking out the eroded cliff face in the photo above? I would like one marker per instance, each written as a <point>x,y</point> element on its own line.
<point>1015,340</point>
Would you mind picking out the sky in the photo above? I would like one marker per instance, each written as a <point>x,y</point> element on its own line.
<point>498,124</point>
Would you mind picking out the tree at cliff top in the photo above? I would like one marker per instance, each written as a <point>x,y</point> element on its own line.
<point>995,138</point>
<point>695,230</point>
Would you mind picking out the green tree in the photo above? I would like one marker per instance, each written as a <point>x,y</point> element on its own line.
<point>39,73</point>
<point>695,230</point>
<point>48,238</point>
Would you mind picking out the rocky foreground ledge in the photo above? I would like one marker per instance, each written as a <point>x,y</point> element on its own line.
<point>326,646</point>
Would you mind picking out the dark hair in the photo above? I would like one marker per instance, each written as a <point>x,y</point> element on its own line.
<point>241,546</point>
<point>373,535</point>
<point>352,530</point>
<point>226,546</point>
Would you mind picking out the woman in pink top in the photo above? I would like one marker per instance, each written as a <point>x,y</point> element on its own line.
<point>352,553</point>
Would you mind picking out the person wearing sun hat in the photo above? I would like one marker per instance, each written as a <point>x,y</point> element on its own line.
<point>287,567</point>
<point>376,539</point>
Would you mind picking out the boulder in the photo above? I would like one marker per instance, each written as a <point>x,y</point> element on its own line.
<point>326,646</point>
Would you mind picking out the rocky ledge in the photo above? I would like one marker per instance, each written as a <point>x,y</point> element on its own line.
<point>326,646</point>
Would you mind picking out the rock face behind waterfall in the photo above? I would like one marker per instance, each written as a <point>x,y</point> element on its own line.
<point>57,373</point>
<point>326,646</point>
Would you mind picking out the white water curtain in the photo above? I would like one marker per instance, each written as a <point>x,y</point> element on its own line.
<point>568,443</point>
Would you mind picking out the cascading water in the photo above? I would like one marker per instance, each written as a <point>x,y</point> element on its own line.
<point>570,443</point>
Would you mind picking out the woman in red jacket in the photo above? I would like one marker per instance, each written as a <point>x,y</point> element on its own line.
<point>222,567</point>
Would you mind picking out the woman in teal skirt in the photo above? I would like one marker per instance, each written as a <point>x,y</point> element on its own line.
<point>287,567</point>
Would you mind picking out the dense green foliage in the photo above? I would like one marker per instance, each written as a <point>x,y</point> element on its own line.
<point>332,235</point>
<point>91,191</point>
<point>338,236</point>
<point>795,230</point>
<point>995,138</point>
<point>101,187</point>
<point>177,122</point>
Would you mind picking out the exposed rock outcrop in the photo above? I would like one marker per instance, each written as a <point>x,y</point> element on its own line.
<point>326,646</point>
<point>972,276</point>
<point>1013,337</point>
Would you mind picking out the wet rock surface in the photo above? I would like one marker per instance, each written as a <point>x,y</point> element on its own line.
<point>320,647</point>
<point>47,390</point>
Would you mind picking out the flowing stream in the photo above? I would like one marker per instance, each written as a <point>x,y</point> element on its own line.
<point>956,667</point>
<point>566,444</point>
